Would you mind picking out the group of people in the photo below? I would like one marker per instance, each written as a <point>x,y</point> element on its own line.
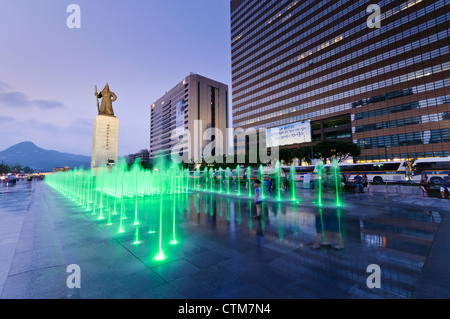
<point>361,182</point>
<point>272,182</point>
<point>425,184</point>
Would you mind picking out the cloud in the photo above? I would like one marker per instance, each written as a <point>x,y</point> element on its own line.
<point>19,100</point>
<point>77,127</point>
<point>47,104</point>
<point>14,100</point>
<point>7,119</point>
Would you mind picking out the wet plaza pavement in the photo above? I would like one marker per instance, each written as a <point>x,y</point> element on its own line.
<point>221,251</point>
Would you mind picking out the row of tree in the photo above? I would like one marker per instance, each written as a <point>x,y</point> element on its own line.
<point>16,168</point>
<point>325,150</point>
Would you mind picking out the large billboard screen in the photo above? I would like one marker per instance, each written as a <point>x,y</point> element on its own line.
<point>289,134</point>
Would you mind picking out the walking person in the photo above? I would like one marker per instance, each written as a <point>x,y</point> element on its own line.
<point>258,198</point>
<point>366,184</point>
<point>424,183</point>
<point>285,182</point>
<point>272,181</point>
<point>343,182</point>
<point>445,185</point>
<point>358,181</point>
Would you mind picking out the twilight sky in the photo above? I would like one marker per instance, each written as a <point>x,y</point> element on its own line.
<point>142,48</point>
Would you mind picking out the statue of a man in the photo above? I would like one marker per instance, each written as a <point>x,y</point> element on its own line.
<point>107,98</point>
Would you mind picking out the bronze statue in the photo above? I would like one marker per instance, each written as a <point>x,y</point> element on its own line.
<point>107,98</point>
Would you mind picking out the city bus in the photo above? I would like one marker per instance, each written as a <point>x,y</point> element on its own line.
<point>393,171</point>
<point>435,168</point>
<point>376,172</point>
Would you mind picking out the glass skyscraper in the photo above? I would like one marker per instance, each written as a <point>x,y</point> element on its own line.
<point>385,87</point>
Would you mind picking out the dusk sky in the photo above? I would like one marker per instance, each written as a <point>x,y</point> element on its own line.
<point>142,48</point>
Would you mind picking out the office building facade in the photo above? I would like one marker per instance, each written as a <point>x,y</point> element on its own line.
<point>385,86</point>
<point>143,155</point>
<point>193,106</point>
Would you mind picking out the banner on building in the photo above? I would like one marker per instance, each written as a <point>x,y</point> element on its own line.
<point>180,117</point>
<point>295,133</point>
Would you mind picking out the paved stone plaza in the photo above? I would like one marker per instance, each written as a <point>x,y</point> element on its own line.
<point>223,252</point>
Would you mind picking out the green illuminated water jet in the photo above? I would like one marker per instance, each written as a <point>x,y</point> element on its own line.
<point>205,179</point>
<point>220,177</point>
<point>227,178</point>
<point>174,240</point>
<point>160,255</point>
<point>337,181</point>
<point>248,175</point>
<point>292,174</point>
<point>261,178</point>
<point>318,182</point>
<point>211,179</point>
<point>136,222</point>
<point>238,178</point>
<point>278,184</point>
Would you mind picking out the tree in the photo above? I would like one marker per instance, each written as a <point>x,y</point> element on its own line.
<point>287,155</point>
<point>325,149</point>
<point>346,150</point>
<point>340,150</point>
<point>304,154</point>
<point>4,168</point>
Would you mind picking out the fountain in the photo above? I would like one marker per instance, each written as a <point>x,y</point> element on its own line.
<point>197,178</point>
<point>128,190</point>
<point>261,178</point>
<point>318,183</point>
<point>227,178</point>
<point>211,179</point>
<point>238,179</point>
<point>278,179</point>
<point>292,174</point>
<point>205,179</point>
<point>248,176</point>
<point>220,178</point>
<point>337,180</point>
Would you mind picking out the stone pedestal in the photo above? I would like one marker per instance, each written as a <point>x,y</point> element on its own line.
<point>105,141</point>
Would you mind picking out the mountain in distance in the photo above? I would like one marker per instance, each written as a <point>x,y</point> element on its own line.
<point>28,154</point>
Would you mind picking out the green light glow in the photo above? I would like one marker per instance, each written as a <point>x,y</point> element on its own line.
<point>220,180</point>
<point>278,172</point>
<point>160,256</point>
<point>136,237</point>
<point>248,175</point>
<point>261,178</point>
<point>136,222</point>
<point>319,171</point>
<point>292,176</point>
<point>121,230</point>
<point>337,181</point>
<point>174,240</point>
<point>238,178</point>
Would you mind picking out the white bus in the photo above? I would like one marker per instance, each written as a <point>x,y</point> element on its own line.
<point>380,172</point>
<point>435,168</point>
<point>376,172</point>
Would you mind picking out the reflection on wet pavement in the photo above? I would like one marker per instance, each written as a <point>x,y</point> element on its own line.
<point>397,239</point>
<point>296,250</point>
